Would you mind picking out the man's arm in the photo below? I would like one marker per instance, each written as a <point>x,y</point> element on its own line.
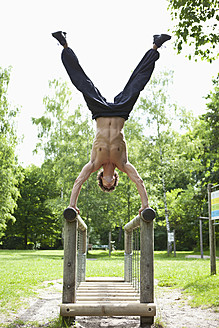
<point>132,173</point>
<point>83,176</point>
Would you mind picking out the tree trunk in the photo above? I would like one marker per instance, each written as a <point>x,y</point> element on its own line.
<point>165,199</point>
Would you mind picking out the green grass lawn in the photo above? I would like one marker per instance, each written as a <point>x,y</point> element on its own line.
<point>191,275</point>
<point>24,271</point>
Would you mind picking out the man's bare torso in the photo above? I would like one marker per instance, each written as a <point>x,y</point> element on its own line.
<point>109,151</point>
<point>109,144</point>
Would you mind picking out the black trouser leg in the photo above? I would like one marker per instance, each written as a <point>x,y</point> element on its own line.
<point>138,79</point>
<point>95,101</point>
<point>125,100</point>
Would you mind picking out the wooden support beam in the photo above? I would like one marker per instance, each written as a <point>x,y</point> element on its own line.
<point>70,262</point>
<point>108,309</point>
<point>133,224</point>
<point>147,268</point>
<point>70,214</point>
<point>212,240</point>
<point>148,214</point>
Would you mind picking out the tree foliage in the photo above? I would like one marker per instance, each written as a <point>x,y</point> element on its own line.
<point>196,24</point>
<point>174,153</point>
<point>37,222</point>
<point>9,172</point>
<point>173,162</point>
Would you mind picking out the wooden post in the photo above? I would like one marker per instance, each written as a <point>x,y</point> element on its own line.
<point>174,242</point>
<point>201,238</point>
<point>84,251</point>
<point>70,263</point>
<point>212,241</point>
<point>129,227</point>
<point>147,268</point>
<point>110,243</point>
<point>128,257</point>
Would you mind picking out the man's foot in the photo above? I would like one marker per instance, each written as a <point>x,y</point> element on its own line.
<point>159,39</point>
<point>60,36</point>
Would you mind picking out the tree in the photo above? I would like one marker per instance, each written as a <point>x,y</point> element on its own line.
<point>212,120</point>
<point>170,156</point>
<point>37,221</point>
<point>197,23</point>
<point>9,171</point>
<point>155,104</point>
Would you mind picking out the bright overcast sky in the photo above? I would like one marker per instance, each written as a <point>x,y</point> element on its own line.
<point>109,37</point>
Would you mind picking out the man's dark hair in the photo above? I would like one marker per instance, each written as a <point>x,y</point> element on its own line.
<point>100,182</point>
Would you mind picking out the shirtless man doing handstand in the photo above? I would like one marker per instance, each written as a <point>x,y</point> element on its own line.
<point>109,146</point>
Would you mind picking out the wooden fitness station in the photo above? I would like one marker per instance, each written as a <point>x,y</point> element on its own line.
<point>106,296</point>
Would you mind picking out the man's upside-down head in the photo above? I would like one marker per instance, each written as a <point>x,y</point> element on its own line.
<point>107,185</point>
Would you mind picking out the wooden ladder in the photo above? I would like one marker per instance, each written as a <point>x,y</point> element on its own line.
<point>107,297</point>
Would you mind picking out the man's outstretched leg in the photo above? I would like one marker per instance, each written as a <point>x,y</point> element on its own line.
<point>140,76</point>
<point>95,101</point>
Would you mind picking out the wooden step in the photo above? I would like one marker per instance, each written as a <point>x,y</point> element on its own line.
<point>105,279</point>
<point>107,297</point>
<point>108,309</point>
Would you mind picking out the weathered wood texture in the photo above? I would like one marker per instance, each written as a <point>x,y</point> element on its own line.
<point>70,262</point>
<point>212,239</point>
<point>70,258</point>
<point>147,268</point>
<point>108,309</point>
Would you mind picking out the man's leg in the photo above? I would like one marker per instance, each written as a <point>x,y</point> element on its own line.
<point>95,101</point>
<point>78,77</point>
<point>140,77</point>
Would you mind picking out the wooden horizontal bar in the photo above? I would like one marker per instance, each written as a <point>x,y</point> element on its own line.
<point>104,279</point>
<point>107,298</point>
<point>81,224</point>
<point>133,224</point>
<point>109,302</point>
<point>104,291</point>
<point>215,186</point>
<point>104,285</point>
<point>108,309</point>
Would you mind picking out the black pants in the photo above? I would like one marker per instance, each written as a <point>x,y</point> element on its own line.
<point>125,100</point>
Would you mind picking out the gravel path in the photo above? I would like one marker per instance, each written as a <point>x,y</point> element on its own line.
<point>173,311</point>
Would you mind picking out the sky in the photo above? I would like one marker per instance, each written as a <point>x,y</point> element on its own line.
<point>109,38</point>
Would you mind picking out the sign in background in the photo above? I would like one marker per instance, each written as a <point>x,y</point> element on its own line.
<point>170,237</point>
<point>215,205</point>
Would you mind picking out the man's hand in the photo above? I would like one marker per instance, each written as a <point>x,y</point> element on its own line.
<point>77,209</point>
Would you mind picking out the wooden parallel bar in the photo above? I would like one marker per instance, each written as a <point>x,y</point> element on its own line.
<point>108,309</point>
<point>133,224</point>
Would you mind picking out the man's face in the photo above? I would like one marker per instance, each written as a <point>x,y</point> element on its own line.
<point>108,182</point>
